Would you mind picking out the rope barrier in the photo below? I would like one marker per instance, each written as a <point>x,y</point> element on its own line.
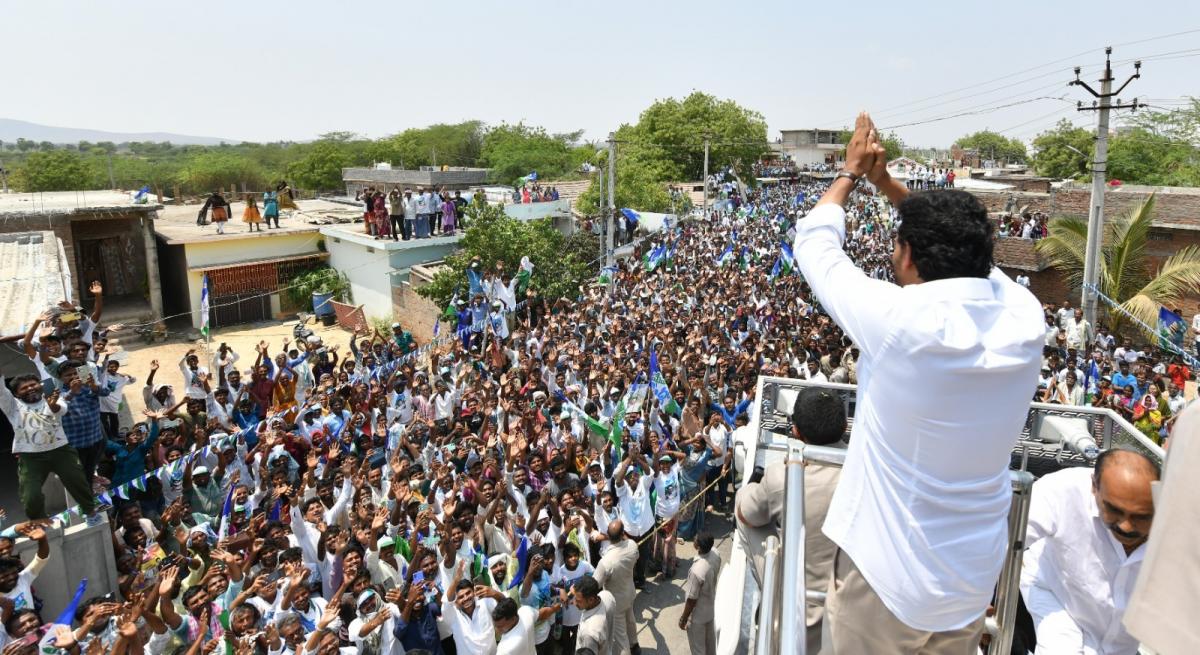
<point>1164,343</point>
<point>699,496</point>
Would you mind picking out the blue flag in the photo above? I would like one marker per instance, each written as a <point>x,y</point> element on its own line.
<point>658,385</point>
<point>522,556</point>
<point>226,510</point>
<point>1171,329</point>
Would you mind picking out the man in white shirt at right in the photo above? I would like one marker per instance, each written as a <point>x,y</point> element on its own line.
<point>1196,332</point>
<point>1085,543</point>
<point>920,516</point>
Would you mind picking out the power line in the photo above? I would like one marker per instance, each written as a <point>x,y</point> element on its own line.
<point>972,113</point>
<point>890,110</point>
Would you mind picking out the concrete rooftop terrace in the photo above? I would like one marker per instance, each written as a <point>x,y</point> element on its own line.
<point>176,224</point>
<point>72,202</point>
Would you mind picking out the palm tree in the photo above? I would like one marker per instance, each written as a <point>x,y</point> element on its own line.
<point>1125,273</point>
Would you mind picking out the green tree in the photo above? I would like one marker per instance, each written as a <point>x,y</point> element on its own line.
<point>994,146</point>
<point>561,265</point>
<point>1063,152</point>
<point>456,144</point>
<point>513,151</point>
<point>218,169</point>
<point>321,167</point>
<point>1126,273</point>
<point>667,145</point>
<point>56,170</point>
<point>673,131</point>
<point>1161,148</point>
<point>25,145</point>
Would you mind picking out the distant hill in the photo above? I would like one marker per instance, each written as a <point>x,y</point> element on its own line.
<point>11,130</point>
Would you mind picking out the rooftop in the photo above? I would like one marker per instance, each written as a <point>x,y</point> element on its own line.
<point>36,276</point>
<point>455,176</point>
<point>176,224</point>
<point>355,234</point>
<point>72,202</point>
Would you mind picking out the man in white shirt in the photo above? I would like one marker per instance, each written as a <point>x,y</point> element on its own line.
<point>920,515</point>
<point>514,626</point>
<point>1085,543</point>
<point>468,611</point>
<point>633,500</point>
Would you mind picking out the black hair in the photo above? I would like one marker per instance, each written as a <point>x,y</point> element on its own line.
<point>13,621</point>
<point>16,382</point>
<point>1106,457</point>
<point>10,564</point>
<point>704,543</point>
<point>83,608</point>
<point>949,234</point>
<point>570,549</point>
<point>819,416</point>
<point>191,593</point>
<point>463,584</point>
<point>587,587</point>
<point>69,365</point>
<point>505,609</point>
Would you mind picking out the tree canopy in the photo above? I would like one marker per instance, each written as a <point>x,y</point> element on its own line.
<point>54,170</point>
<point>667,145</point>
<point>561,264</point>
<point>1063,152</point>
<point>513,151</point>
<point>994,146</point>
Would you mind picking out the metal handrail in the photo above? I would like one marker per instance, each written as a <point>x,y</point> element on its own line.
<point>792,621</point>
<point>1007,589</point>
<point>767,619</point>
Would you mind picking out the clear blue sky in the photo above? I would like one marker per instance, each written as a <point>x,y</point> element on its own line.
<point>290,70</point>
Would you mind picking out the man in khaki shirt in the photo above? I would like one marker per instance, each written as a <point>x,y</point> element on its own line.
<point>701,587</point>
<point>819,419</point>
<point>615,574</point>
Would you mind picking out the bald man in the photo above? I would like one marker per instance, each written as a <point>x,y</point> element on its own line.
<point>1085,543</point>
<point>615,574</point>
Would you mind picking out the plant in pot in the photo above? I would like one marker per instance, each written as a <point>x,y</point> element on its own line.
<point>316,288</point>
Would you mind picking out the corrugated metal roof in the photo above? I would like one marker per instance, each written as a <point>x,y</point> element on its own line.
<point>36,276</point>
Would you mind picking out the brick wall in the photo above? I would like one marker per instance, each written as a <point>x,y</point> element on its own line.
<point>415,313</point>
<point>1018,254</point>
<point>1171,209</point>
<point>1176,220</point>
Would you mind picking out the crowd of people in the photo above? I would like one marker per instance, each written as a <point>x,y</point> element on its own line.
<point>273,201</point>
<point>303,498</point>
<point>1026,225</point>
<point>508,490</point>
<point>397,214</point>
<point>923,178</point>
<point>533,192</point>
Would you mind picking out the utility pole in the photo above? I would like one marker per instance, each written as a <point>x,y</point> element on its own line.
<point>612,196</point>
<point>706,176</point>
<point>112,182</point>
<point>600,182</point>
<point>1095,234</point>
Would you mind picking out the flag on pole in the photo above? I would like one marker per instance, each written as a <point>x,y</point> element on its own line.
<point>775,269</point>
<point>726,256</point>
<point>66,618</point>
<point>659,385</point>
<point>1171,329</point>
<point>522,563</point>
<point>785,254</point>
<point>606,274</point>
<point>523,274</point>
<point>744,259</point>
<point>532,177</point>
<point>226,510</point>
<point>204,305</point>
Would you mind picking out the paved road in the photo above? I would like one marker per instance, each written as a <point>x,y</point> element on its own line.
<point>659,605</point>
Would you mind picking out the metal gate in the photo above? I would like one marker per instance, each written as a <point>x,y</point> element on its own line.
<point>240,308</point>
